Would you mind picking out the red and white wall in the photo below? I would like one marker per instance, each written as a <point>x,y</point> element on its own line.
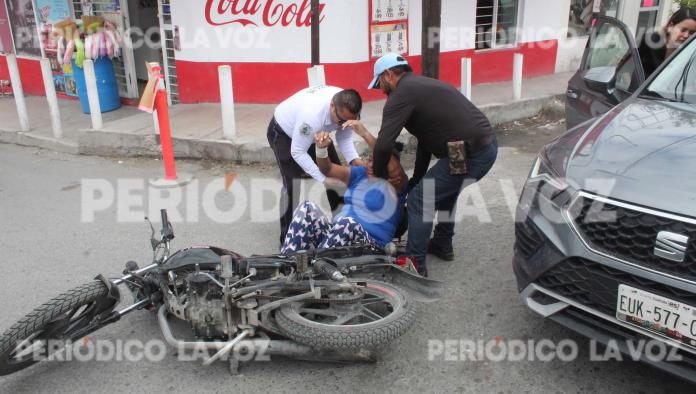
<point>267,43</point>
<point>270,51</point>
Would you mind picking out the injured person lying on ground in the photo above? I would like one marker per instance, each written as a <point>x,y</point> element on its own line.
<point>373,208</point>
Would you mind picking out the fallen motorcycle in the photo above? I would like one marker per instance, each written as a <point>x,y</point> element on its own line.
<point>339,305</point>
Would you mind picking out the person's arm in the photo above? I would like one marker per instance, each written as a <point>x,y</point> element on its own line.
<point>421,167</point>
<point>361,131</point>
<point>302,139</point>
<point>344,138</point>
<point>327,168</point>
<point>396,113</point>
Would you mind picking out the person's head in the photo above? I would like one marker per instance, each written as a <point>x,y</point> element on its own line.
<point>388,71</point>
<point>680,27</point>
<point>345,105</point>
<point>397,176</point>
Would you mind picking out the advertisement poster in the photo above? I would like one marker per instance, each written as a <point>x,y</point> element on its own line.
<point>5,32</point>
<point>389,38</point>
<point>24,29</point>
<point>52,11</point>
<point>388,27</point>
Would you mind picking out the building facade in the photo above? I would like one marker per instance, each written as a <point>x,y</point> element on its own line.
<point>268,42</point>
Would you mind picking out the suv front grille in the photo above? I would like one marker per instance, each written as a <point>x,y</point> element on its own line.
<point>596,286</point>
<point>631,235</point>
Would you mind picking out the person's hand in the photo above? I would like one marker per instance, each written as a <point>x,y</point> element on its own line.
<point>357,126</point>
<point>323,140</point>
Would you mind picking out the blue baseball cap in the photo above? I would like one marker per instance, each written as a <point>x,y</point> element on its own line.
<point>383,64</point>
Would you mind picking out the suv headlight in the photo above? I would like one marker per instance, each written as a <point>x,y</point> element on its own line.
<point>545,186</point>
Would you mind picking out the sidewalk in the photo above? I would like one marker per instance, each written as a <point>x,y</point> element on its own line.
<point>197,128</point>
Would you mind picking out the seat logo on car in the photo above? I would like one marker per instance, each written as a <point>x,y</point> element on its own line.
<point>671,246</point>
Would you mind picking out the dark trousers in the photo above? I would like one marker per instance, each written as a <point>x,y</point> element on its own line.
<point>438,192</point>
<point>292,173</point>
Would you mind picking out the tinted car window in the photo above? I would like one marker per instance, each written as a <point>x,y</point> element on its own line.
<point>609,48</point>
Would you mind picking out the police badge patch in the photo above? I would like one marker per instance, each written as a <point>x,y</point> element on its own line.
<point>305,129</point>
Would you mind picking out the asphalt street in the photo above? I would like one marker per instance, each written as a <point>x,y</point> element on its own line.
<point>48,247</point>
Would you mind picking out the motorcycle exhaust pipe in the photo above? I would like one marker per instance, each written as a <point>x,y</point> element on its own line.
<point>285,348</point>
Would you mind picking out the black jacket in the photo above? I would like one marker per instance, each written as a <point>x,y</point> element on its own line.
<point>653,51</point>
<point>435,113</point>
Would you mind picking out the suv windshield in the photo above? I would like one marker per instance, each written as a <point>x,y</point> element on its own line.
<point>677,81</point>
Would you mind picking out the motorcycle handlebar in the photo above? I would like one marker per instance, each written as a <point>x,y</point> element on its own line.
<point>167,231</point>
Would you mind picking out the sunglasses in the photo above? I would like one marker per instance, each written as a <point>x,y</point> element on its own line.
<point>342,121</point>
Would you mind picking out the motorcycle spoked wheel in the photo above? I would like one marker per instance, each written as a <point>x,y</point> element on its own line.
<point>383,314</point>
<point>58,319</point>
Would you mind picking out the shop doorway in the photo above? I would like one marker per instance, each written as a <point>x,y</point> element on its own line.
<point>149,22</point>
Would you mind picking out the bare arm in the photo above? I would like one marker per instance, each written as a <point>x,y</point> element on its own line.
<point>329,169</point>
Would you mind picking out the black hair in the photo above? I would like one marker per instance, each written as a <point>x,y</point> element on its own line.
<point>348,99</point>
<point>681,15</point>
<point>402,69</point>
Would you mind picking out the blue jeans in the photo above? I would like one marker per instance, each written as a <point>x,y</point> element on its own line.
<point>423,204</point>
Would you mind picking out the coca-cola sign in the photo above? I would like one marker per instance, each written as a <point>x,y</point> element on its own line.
<point>267,13</point>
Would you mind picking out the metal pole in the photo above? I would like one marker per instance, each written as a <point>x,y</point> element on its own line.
<point>430,39</point>
<point>52,98</point>
<point>466,77</point>
<point>316,10</point>
<point>227,102</point>
<point>517,76</point>
<point>93,95</point>
<point>18,92</point>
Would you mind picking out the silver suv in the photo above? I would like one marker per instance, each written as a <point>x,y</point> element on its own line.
<point>606,225</point>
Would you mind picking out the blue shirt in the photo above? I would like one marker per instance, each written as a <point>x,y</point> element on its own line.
<point>374,204</point>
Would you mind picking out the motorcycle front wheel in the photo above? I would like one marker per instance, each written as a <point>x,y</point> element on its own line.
<point>60,319</point>
<point>382,314</point>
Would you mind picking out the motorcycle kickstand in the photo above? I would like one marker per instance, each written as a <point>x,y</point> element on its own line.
<point>234,366</point>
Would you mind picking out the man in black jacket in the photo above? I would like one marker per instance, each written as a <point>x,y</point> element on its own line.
<point>447,126</point>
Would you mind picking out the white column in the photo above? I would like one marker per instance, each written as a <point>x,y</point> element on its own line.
<point>52,98</point>
<point>93,95</point>
<point>517,76</point>
<point>316,76</point>
<point>227,102</point>
<point>466,77</point>
<point>18,92</point>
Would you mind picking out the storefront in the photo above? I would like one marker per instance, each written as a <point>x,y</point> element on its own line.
<point>26,25</point>
<point>267,42</point>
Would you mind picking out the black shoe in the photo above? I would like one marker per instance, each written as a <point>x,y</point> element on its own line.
<point>440,252</point>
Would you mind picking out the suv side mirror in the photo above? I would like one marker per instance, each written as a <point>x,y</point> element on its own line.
<point>601,79</point>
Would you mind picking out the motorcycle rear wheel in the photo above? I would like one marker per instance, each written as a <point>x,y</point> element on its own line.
<point>24,344</point>
<point>383,314</point>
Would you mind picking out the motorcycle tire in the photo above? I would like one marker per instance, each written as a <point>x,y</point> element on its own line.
<point>298,320</point>
<point>56,319</point>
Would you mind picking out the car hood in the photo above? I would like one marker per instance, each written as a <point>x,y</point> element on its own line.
<point>642,151</point>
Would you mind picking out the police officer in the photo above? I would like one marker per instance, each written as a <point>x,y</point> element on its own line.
<point>291,136</point>
<point>447,126</point>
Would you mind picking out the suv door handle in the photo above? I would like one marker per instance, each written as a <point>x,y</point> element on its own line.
<point>572,94</point>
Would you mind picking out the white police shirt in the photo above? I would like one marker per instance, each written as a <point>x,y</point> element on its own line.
<point>306,113</point>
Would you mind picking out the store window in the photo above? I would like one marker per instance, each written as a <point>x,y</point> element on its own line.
<point>647,17</point>
<point>6,45</point>
<point>496,23</point>
<point>582,12</point>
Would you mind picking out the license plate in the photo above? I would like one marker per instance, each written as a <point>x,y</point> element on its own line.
<point>657,314</point>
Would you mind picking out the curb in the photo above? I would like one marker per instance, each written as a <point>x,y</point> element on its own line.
<point>113,144</point>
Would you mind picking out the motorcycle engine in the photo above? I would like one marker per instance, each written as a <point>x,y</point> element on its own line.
<point>204,307</point>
